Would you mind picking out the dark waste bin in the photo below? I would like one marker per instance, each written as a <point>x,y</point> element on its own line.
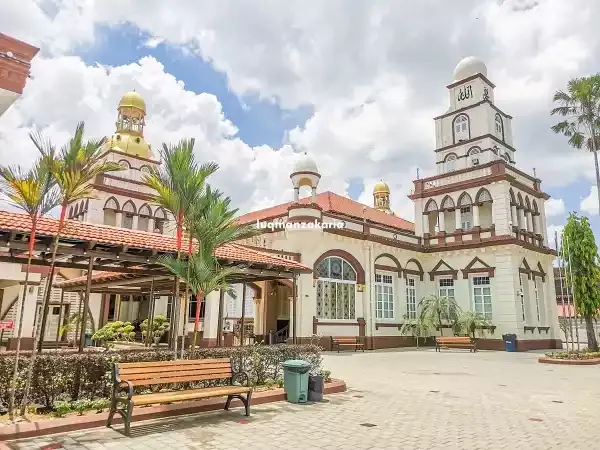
<point>510,342</point>
<point>88,339</point>
<point>316,386</point>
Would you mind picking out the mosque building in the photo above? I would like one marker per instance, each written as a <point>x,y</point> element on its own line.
<point>479,237</point>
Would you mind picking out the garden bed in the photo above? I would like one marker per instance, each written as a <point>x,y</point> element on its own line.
<point>573,358</point>
<point>65,376</point>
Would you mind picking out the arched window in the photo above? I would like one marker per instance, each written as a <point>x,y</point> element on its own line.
<point>144,217</point>
<point>336,287</point>
<point>431,206</point>
<point>160,217</point>
<point>484,200</point>
<point>506,158</point>
<point>466,212</point>
<point>110,212</point>
<point>450,162</point>
<point>499,127</point>
<point>128,213</point>
<point>461,128</point>
<point>474,155</point>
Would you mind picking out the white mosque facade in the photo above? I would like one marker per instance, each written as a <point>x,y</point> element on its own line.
<point>479,236</point>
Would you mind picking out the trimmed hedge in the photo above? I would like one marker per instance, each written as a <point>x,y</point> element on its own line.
<point>68,376</point>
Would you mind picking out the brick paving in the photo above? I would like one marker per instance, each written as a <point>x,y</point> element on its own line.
<point>396,400</point>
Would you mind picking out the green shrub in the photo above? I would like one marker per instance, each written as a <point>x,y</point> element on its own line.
<point>61,409</point>
<point>115,331</point>
<point>69,376</point>
<point>160,326</point>
<point>576,354</point>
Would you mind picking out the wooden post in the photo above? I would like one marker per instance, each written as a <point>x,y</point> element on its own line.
<point>62,299</point>
<point>243,326</point>
<point>220,320</point>
<point>150,336</point>
<point>294,301</point>
<point>86,304</point>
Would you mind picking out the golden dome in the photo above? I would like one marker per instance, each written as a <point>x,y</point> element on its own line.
<point>130,144</point>
<point>134,100</point>
<point>381,188</point>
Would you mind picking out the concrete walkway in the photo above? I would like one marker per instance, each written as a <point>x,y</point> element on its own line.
<point>397,400</point>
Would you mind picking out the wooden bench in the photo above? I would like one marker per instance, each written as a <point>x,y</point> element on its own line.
<point>337,342</point>
<point>455,342</point>
<point>127,376</point>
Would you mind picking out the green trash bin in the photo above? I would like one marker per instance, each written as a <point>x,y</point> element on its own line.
<point>295,380</point>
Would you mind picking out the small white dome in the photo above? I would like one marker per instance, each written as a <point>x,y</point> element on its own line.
<point>305,164</point>
<point>469,66</point>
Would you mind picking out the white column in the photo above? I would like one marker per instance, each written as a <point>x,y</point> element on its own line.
<point>523,220</point>
<point>296,194</point>
<point>457,218</point>
<point>150,225</point>
<point>134,226</point>
<point>514,216</point>
<point>313,194</point>
<point>119,217</point>
<point>475,215</point>
<point>425,223</point>
<point>211,316</point>
<point>529,218</point>
<point>442,216</point>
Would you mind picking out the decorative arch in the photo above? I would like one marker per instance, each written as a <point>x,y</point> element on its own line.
<point>520,200</point>
<point>419,271</point>
<point>513,200</point>
<point>465,199</point>
<point>506,157</point>
<point>450,162</point>
<point>539,272</point>
<point>70,211</point>
<point>534,206</point>
<point>129,207</point>
<point>160,213</point>
<point>398,267</point>
<point>125,164</point>
<point>447,202</point>
<point>146,169</point>
<point>112,203</point>
<point>443,268</point>
<point>499,126</point>
<point>358,268</point>
<point>525,268</point>
<point>461,128</point>
<point>483,196</point>
<point>431,206</point>
<point>145,210</point>
<point>527,203</point>
<point>474,151</point>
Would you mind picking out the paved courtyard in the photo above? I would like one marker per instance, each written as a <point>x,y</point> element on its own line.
<point>396,400</point>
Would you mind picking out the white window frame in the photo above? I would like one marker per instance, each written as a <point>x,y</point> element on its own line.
<point>411,301</point>
<point>522,297</point>
<point>461,128</point>
<point>341,281</point>
<point>384,296</point>
<point>451,161</point>
<point>477,291</point>
<point>466,217</point>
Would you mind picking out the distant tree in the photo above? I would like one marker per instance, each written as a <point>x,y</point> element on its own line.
<point>580,106</point>
<point>581,253</point>
<point>439,311</point>
<point>469,322</point>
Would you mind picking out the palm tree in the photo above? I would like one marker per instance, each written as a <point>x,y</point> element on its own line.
<point>470,322</point>
<point>74,169</point>
<point>178,183</point>
<point>438,309</point>
<point>580,106</point>
<point>34,193</point>
<point>419,327</point>
<point>212,222</point>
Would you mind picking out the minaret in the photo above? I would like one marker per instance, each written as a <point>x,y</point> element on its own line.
<point>305,173</point>
<point>381,197</point>
<point>131,119</point>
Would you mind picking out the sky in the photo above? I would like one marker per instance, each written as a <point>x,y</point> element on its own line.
<point>354,83</point>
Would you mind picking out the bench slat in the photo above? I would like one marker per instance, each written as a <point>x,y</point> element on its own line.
<point>180,379</point>
<point>217,373</point>
<point>178,363</point>
<point>142,370</point>
<point>165,397</point>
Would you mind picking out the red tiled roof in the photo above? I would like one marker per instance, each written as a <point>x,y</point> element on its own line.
<point>334,203</point>
<point>104,234</point>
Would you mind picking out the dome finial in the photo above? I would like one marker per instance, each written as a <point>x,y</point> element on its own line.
<point>469,66</point>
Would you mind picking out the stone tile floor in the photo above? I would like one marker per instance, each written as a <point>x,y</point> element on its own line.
<point>396,400</point>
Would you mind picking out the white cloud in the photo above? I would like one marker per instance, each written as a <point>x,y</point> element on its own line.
<point>589,204</point>
<point>374,75</point>
<point>552,229</point>
<point>555,207</point>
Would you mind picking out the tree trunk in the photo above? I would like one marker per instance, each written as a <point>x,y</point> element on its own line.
<point>21,309</point>
<point>45,308</point>
<point>595,150</point>
<point>186,299</point>
<point>176,299</point>
<point>199,298</point>
<point>591,335</point>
